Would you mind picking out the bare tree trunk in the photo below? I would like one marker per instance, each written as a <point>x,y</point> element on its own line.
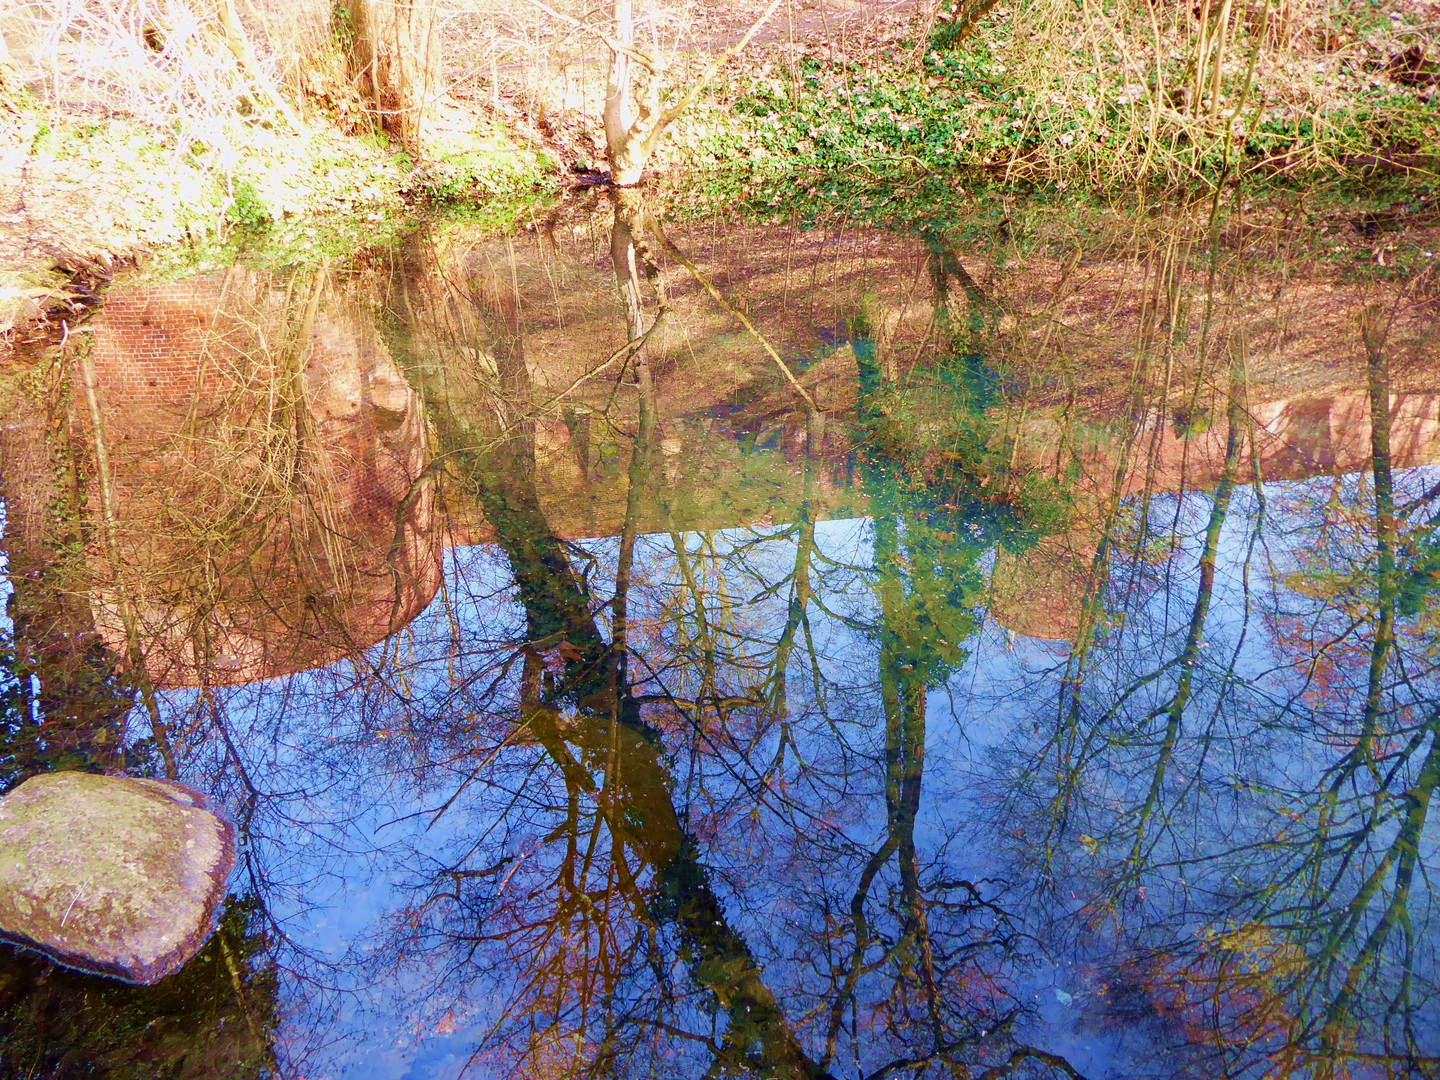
<point>617,91</point>
<point>395,59</point>
<point>630,127</point>
<point>633,129</point>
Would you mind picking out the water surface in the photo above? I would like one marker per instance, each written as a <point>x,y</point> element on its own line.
<point>745,648</point>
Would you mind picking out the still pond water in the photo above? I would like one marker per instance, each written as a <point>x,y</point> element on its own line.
<point>770,648</point>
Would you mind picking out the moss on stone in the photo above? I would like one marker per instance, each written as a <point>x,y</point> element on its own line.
<point>113,875</point>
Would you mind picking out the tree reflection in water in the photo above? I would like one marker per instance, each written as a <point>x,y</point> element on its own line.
<point>701,798</point>
<point>1232,783</point>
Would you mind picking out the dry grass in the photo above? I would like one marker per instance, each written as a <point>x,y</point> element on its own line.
<point>190,68</point>
<point>1165,88</point>
<point>130,127</point>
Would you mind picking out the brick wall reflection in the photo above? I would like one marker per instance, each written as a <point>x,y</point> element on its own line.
<point>1040,593</point>
<point>268,459</point>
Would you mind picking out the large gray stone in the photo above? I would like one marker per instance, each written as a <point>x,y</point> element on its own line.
<point>109,874</point>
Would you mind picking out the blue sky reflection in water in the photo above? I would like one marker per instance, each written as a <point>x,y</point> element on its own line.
<point>407,936</point>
